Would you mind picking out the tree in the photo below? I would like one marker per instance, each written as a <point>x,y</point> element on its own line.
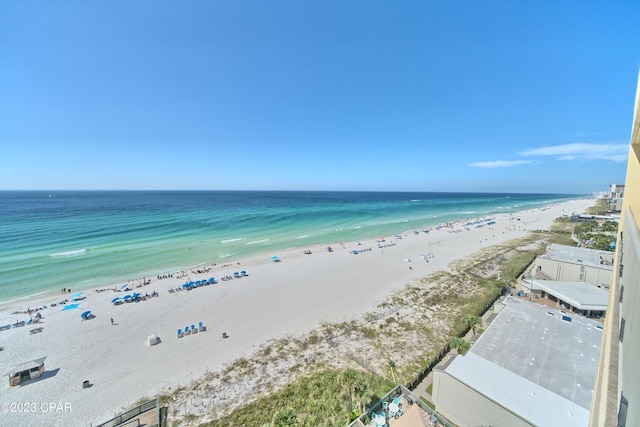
<point>609,227</point>
<point>459,344</point>
<point>472,321</point>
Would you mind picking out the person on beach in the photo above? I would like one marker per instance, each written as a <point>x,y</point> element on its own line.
<point>112,322</point>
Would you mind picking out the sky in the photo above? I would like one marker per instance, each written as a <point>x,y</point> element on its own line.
<point>477,96</point>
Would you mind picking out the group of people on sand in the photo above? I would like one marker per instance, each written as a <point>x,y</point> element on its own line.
<point>66,291</point>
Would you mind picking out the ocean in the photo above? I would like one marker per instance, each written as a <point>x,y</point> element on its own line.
<point>83,239</point>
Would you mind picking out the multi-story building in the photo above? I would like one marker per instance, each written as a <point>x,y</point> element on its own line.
<point>616,397</point>
<point>616,191</point>
<point>572,264</point>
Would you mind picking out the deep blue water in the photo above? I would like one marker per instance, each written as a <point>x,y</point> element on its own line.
<point>79,239</point>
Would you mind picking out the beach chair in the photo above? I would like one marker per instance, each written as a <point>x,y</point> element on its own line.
<point>180,334</point>
<point>200,327</point>
<point>193,329</point>
<point>186,330</point>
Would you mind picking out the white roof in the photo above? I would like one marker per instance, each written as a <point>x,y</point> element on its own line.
<point>26,366</point>
<point>581,295</point>
<point>535,364</point>
<point>525,398</point>
<point>580,256</point>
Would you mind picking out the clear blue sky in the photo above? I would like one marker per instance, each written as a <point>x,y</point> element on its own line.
<point>506,96</point>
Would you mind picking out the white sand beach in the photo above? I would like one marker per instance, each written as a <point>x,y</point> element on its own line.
<point>290,297</point>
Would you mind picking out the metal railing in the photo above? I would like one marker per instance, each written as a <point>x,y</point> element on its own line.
<point>123,418</point>
<point>399,391</point>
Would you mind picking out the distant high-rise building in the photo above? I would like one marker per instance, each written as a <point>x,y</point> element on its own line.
<point>616,191</point>
<point>616,396</point>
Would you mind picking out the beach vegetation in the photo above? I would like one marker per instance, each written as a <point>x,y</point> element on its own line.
<point>460,344</point>
<point>428,403</point>
<point>285,418</point>
<point>473,321</point>
<point>328,397</point>
<point>594,235</point>
<point>601,207</point>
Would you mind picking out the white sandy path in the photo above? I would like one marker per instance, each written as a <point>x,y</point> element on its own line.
<point>276,299</point>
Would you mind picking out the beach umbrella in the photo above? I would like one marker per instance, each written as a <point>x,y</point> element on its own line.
<point>211,280</point>
<point>124,286</point>
<point>243,272</point>
<point>85,314</point>
<point>135,295</point>
<point>115,300</point>
<point>235,273</point>
<point>186,285</point>
<point>126,297</point>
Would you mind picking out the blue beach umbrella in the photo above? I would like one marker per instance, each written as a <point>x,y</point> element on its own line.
<point>85,314</point>
<point>126,297</point>
<point>211,280</point>
<point>115,300</point>
<point>186,285</point>
<point>126,285</point>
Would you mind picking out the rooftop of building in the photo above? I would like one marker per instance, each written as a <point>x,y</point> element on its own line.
<point>536,362</point>
<point>581,295</point>
<point>582,256</point>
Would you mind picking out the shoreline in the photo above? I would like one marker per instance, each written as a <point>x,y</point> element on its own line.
<point>70,266</point>
<point>291,297</point>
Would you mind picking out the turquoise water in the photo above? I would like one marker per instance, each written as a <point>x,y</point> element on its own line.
<point>81,239</point>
